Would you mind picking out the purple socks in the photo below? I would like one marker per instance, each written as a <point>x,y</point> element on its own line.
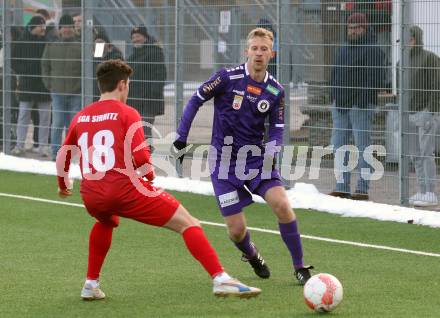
<point>292,239</point>
<point>246,246</point>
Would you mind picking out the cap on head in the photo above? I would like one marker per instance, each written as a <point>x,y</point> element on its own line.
<point>65,20</point>
<point>358,18</point>
<point>417,33</point>
<point>36,21</point>
<point>141,29</point>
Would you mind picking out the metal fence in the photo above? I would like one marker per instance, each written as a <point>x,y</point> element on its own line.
<point>368,83</point>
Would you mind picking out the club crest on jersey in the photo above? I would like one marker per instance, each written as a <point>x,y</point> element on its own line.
<point>253,90</point>
<point>236,104</point>
<point>263,106</point>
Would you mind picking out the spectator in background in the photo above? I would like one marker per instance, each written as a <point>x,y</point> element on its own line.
<point>51,30</point>
<point>77,21</point>
<point>266,24</point>
<point>16,33</point>
<point>35,112</point>
<point>110,52</point>
<point>356,77</point>
<point>61,70</point>
<point>424,106</point>
<point>148,80</point>
<point>26,62</point>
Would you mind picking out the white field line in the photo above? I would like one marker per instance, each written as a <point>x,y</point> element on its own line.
<point>310,237</point>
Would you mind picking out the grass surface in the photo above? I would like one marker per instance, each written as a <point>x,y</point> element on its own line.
<point>149,273</point>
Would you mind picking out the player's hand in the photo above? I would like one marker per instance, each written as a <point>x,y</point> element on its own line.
<point>179,145</point>
<point>64,193</point>
<point>150,175</point>
<point>146,171</point>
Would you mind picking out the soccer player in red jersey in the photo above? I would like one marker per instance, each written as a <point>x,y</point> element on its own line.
<point>117,182</point>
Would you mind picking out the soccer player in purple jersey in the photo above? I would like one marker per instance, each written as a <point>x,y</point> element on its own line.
<point>240,162</point>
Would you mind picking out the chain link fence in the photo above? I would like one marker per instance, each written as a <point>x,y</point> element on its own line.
<point>361,73</point>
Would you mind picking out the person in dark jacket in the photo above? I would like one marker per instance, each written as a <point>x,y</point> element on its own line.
<point>424,107</point>
<point>110,52</point>
<point>148,80</point>
<point>16,34</point>
<point>50,36</point>
<point>61,70</point>
<point>357,76</point>
<point>26,63</point>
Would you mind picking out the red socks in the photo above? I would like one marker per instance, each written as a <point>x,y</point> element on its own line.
<point>99,244</point>
<point>194,237</point>
<point>201,250</point>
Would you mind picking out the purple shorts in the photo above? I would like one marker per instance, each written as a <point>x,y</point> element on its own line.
<point>234,194</point>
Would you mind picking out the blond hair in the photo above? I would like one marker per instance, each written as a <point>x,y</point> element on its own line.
<point>259,32</point>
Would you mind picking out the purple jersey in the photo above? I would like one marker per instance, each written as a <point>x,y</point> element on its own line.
<point>241,106</point>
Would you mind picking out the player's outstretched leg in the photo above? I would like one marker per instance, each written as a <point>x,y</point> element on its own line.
<point>241,238</point>
<point>99,244</point>
<point>200,248</point>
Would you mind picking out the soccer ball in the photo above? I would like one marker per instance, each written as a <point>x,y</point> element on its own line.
<point>323,292</point>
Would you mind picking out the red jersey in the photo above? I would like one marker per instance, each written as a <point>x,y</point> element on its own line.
<point>111,142</point>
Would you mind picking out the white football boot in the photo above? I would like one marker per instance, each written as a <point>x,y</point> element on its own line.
<point>233,287</point>
<point>90,292</point>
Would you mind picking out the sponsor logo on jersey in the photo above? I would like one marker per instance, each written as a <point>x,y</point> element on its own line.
<point>238,92</point>
<point>273,90</point>
<point>251,98</point>
<point>263,106</point>
<point>233,77</point>
<point>228,199</point>
<point>236,104</point>
<point>253,90</point>
<point>210,86</point>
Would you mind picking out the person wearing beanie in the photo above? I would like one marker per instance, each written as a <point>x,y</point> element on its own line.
<point>357,76</point>
<point>61,70</point>
<point>51,29</point>
<point>424,106</point>
<point>35,22</point>
<point>26,63</point>
<point>66,20</point>
<point>142,30</point>
<point>148,80</point>
<point>358,18</point>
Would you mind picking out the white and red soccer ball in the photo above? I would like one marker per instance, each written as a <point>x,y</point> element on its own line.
<point>323,292</point>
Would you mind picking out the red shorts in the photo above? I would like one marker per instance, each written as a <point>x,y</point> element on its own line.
<point>122,199</point>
